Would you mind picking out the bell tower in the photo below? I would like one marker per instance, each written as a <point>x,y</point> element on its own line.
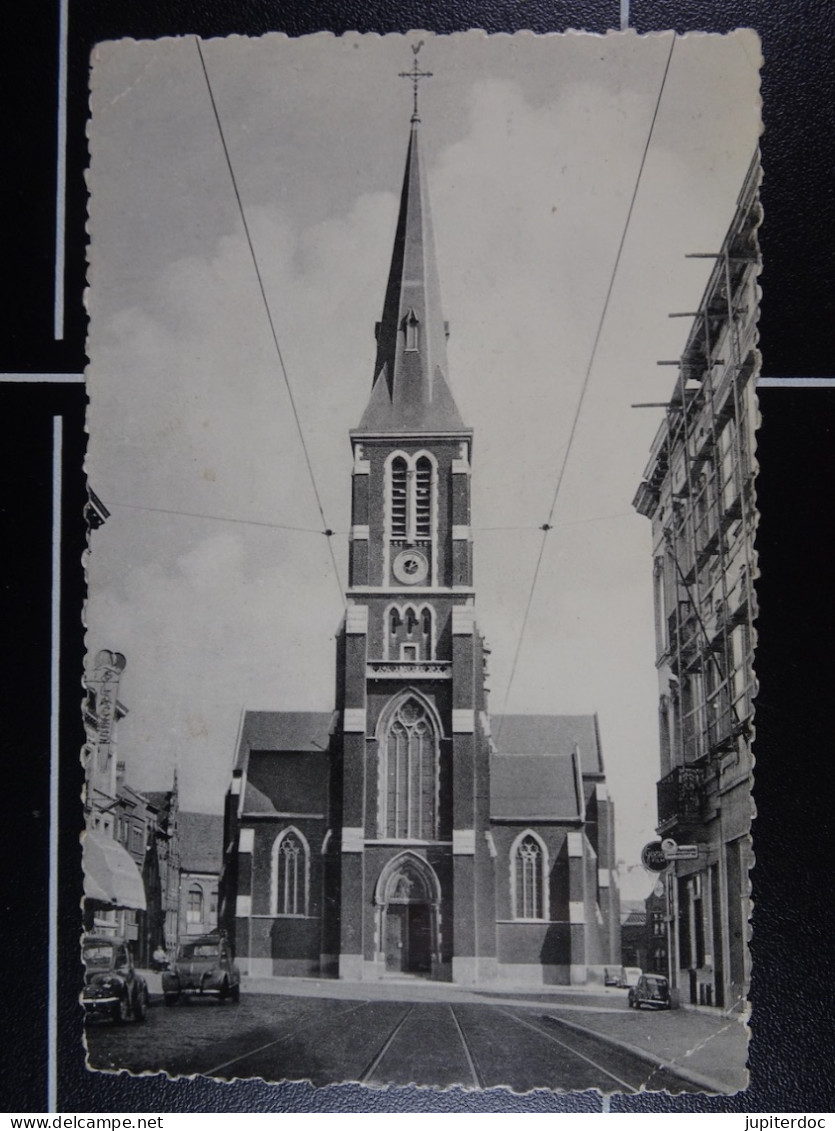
<point>412,781</point>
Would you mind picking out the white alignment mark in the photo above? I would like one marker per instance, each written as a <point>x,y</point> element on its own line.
<point>55,642</point>
<point>42,378</point>
<point>796,382</point>
<point>61,172</point>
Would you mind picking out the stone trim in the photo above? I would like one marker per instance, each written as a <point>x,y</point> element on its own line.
<point>353,838</point>
<point>463,842</point>
<point>460,533</point>
<point>360,532</point>
<point>602,878</point>
<point>351,967</point>
<point>575,844</point>
<point>463,620</point>
<point>354,720</point>
<point>246,840</point>
<point>243,906</point>
<point>577,913</point>
<point>356,620</point>
<point>463,720</point>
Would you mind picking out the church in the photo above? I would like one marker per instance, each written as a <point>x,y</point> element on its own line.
<point>407,832</point>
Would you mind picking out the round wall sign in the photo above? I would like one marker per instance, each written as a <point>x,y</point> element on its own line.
<point>653,858</point>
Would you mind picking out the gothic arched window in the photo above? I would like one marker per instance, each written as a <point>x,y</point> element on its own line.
<point>290,874</point>
<point>399,497</point>
<point>528,869</point>
<point>423,498</point>
<point>411,774</point>
<point>410,502</point>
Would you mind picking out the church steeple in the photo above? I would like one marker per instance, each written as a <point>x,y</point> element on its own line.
<point>410,391</point>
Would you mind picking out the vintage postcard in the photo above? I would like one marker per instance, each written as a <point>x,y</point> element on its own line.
<point>420,623</point>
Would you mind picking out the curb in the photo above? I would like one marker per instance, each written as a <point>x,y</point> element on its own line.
<point>701,1082</point>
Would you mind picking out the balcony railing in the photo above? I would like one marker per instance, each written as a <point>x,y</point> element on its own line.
<point>408,669</point>
<point>680,797</point>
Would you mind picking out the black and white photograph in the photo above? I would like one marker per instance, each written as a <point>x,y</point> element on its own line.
<point>420,618</point>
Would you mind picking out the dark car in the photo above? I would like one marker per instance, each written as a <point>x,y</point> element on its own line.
<point>204,967</point>
<point>652,990</point>
<point>112,987</point>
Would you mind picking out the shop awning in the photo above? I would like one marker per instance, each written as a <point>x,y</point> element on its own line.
<point>110,874</point>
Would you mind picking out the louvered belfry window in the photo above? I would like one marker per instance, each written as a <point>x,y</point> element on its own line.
<point>423,498</point>
<point>411,754</point>
<point>399,497</point>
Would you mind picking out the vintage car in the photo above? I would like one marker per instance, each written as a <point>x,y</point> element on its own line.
<point>204,966</point>
<point>652,990</point>
<point>112,987</point>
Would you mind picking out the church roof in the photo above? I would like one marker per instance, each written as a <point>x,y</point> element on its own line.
<point>201,841</point>
<point>296,731</point>
<point>549,735</point>
<point>531,787</point>
<point>410,391</point>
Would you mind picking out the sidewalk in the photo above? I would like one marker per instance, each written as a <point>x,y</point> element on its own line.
<point>708,1049</point>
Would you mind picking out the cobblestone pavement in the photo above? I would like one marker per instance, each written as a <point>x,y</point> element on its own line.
<point>522,1045</point>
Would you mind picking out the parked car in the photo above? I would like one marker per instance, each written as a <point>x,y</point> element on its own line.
<point>652,990</point>
<point>112,987</point>
<point>612,975</point>
<point>629,976</point>
<point>204,966</point>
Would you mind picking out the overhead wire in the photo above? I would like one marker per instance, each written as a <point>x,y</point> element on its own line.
<point>547,527</point>
<point>341,533</point>
<point>326,530</point>
<point>219,518</point>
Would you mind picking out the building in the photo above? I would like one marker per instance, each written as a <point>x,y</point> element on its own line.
<point>166,848</point>
<point>135,829</point>
<point>113,889</point>
<point>201,853</point>
<point>698,492</point>
<point>405,832</point>
<point>655,915</point>
<point>633,934</point>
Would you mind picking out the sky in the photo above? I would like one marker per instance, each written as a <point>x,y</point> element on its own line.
<point>533,146</point>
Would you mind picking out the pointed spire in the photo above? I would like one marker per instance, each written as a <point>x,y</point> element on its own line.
<point>410,391</point>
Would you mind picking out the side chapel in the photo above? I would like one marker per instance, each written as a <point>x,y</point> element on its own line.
<point>406,833</point>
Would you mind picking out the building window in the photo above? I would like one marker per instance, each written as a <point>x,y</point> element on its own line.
<point>194,905</point>
<point>399,503</point>
<point>411,486</point>
<point>423,498</point>
<point>412,327</point>
<point>291,874</point>
<point>409,633</point>
<point>527,878</point>
<point>411,772</point>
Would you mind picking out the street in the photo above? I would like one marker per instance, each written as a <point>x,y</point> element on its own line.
<point>329,1040</point>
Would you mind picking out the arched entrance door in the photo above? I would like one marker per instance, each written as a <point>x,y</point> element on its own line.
<point>408,898</point>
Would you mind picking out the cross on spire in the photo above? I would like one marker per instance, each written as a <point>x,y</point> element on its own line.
<point>415,75</point>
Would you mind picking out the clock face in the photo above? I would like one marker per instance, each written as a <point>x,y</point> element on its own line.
<point>410,567</point>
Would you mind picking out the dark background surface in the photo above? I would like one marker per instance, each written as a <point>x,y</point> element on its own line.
<point>792,991</point>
